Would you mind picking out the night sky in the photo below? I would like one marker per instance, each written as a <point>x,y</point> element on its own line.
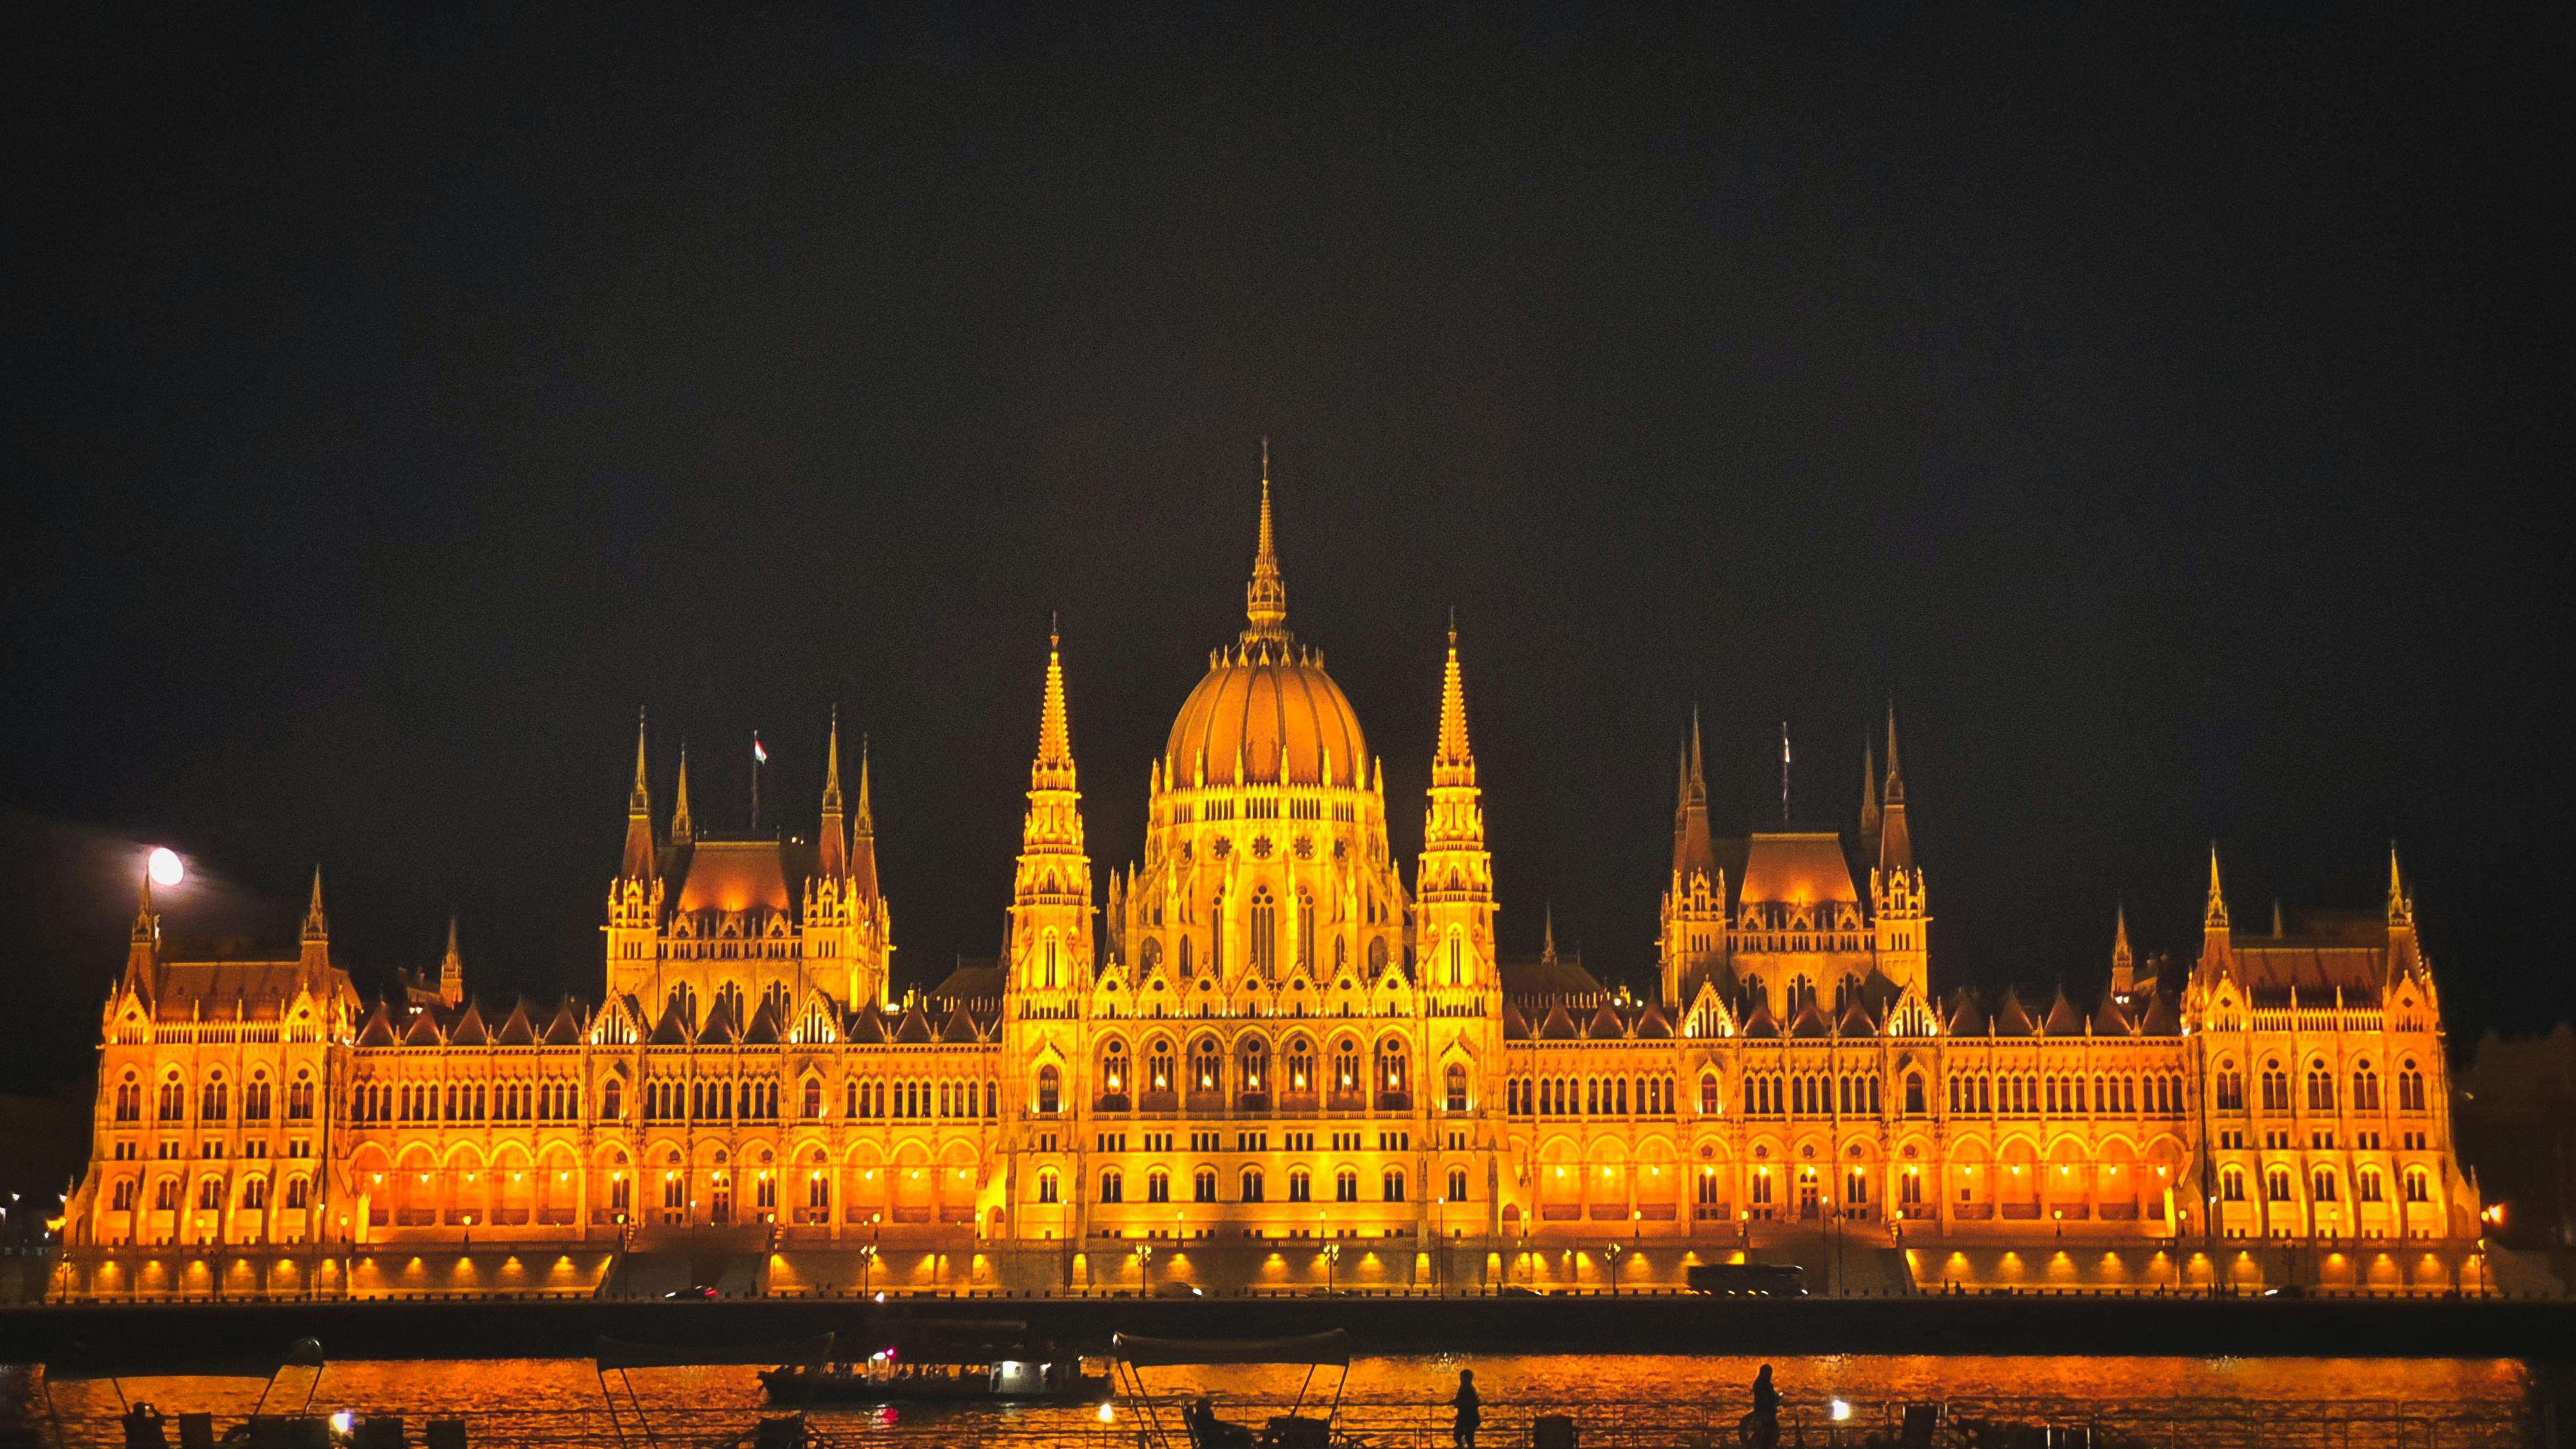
<point>2167,408</point>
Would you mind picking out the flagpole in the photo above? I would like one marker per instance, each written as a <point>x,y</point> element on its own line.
<point>759,757</point>
<point>1784,774</point>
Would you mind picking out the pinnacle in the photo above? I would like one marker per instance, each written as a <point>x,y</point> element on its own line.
<point>1454,762</point>
<point>1265,599</point>
<point>639,800</point>
<point>832,766</point>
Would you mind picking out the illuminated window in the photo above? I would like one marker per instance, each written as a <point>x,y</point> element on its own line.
<point>1049,1090</point>
<point>1454,1087</point>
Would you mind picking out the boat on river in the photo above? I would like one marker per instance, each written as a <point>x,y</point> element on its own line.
<point>946,1362</point>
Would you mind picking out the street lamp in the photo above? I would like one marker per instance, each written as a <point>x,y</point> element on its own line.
<point>1144,1256</point>
<point>1332,1255</point>
<point>867,1267</point>
<point>1612,1253</point>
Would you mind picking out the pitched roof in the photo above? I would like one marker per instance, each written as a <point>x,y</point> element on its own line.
<point>736,875</point>
<point>1796,868</point>
<point>2062,1020</point>
<point>1558,1026</point>
<point>517,1029</point>
<point>565,1028</point>
<point>915,1026</point>
<point>2163,1019</point>
<point>1515,1026</point>
<point>1605,1025</point>
<point>1651,1025</point>
<point>2010,1019</point>
<point>224,990</point>
<point>673,1028</point>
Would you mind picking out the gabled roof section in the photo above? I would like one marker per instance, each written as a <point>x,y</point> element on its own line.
<point>378,1031</point>
<point>517,1029</point>
<point>868,1027</point>
<point>469,1029</point>
<point>2062,1020</point>
<point>423,1030</point>
<point>1967,1014</point>
<point>673,1028</point>
<point>2163,1019</point>
<point>1651,1025</point>
<point>720,1025</point>
<point>2112,1019</point>
<point>763,1028</point>
<point>225,990</point>
<point>1856,1019</point>
<point>1605,1025</point>
<point>914,1029</point>
<point>1810,1021</point>
<point>1760,1022</point>
<point>961,1029</point>
<point>1547,978</point>
<point>973,979</point>
<point>2010,1019</point>
<point>1558,1026</point>
<point>564,1029</point>
<point>1515,1026</point>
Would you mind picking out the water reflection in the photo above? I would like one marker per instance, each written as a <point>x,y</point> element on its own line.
<point>1625,1399</point>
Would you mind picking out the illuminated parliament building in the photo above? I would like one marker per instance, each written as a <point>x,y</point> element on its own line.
<point>1272,1054</point>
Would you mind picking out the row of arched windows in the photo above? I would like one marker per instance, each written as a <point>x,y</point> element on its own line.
<point>1253,1185</point>
<point>710,1100</point>
<point>214,1098</point>
<point>2324,1185</point>
<point>912,1100</point>
<point>1254,1079</point>
<point>2320,1084</point>
<point>1649,1096</point>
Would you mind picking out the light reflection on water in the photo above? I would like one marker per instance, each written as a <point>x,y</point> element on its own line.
<point>1619,1399</point>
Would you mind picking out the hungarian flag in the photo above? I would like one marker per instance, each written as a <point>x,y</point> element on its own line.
<point>759,756</point>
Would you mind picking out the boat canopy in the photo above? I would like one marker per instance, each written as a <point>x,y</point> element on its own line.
<point>1332,1349</point>
<point>75,1360</point>
<point>618,1353</point>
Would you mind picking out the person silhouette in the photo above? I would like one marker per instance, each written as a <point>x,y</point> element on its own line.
<point>1470,1407</point>
<point>1760,1428</point>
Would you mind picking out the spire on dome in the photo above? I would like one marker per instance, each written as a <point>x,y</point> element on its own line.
<point>682,830</point>
<point>831,854</point>
<point>1265,599</point>
<point>1454,762</point>
<point>638,861</point>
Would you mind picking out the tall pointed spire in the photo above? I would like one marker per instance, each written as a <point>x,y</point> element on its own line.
<point>451,970</point>
<point>1693,856</point>
<point>831,854</point>
<point>1868,790</point>
<point>1055,728</point>
<point>2214,913</point>
<point>139,953</point>
<point>1265,599</point>
<point>639,854</point>
<point>1547,933</point>
<point>317,926</point>
<point>1453,762</point>
<point>147,926</point>
<point>1895,837</point>
<point>1895,792</point>
<point>2400,911</point>
<point>863,834</point>
<point>2120,953</point>
<point>683,830</point>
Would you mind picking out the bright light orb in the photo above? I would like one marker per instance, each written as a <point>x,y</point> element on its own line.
<point>166,867</point>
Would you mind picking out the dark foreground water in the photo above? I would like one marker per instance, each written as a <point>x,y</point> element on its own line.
<point>1394,1403</point>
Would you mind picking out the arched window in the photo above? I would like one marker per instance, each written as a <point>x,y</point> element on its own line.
<point>129,1099</point>
<point>1158,1065</point>
<point>1252,1184</point>
<point>1914,1094</point>
<point>1454,1087</point>
<point>1300,1065</point>
<point>1377,956</point>
<point>1185,958</point>
<point>210,1194</point>
<point>1046,1185</point>
<point>684,1000</point>
<point>813,1097</point>
<point>295,1193</point>
<point>1256,1066</point>
<point>1457,960</point>
<point>2418,1187</point>
<point>1346,1065</point>
<point>1394,1184</point>
<point>1207,1065</point>
<point>121,1198</point>
<point>1457,1184</point>
<point>1114,1071</point>
<point>1158,1186</point>
<point>2322,1185</point>
<point>2276,1184</point>
<point>165,1195</point>
<point>1346,1185</point>
<point>1265,934</point>
<point>2366,1185</point>
<point>1050,1090</point>
<point>2365,1088</point>
<point>1203,1185</point>
<point>255,1194</point>
<point>2231,1184</point>
<point>2320,1087</point>
<point>2410,1090</point>
<point>612,1100</point>
<point>1113,1185</point>
<point>1149,956</point>
<point>1709,1102</point>
<point>2276,1088</point>
<point>1049,979</point>
<point>211,1107</point>
<point>1391,1066</point>
<point>1216,936</point>
<point>1306,932</point>
<point>1301,1188</point>
<point>255,1098</point>
<point>174,1099</point>
<point>729,996</point>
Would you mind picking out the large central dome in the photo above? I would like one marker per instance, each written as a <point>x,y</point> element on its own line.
<point>1265,702</point>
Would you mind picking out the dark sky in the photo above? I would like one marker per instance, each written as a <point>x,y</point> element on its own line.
<point>2166,406</point>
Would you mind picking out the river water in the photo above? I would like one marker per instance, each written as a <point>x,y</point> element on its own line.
<point>1668,1402</point>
